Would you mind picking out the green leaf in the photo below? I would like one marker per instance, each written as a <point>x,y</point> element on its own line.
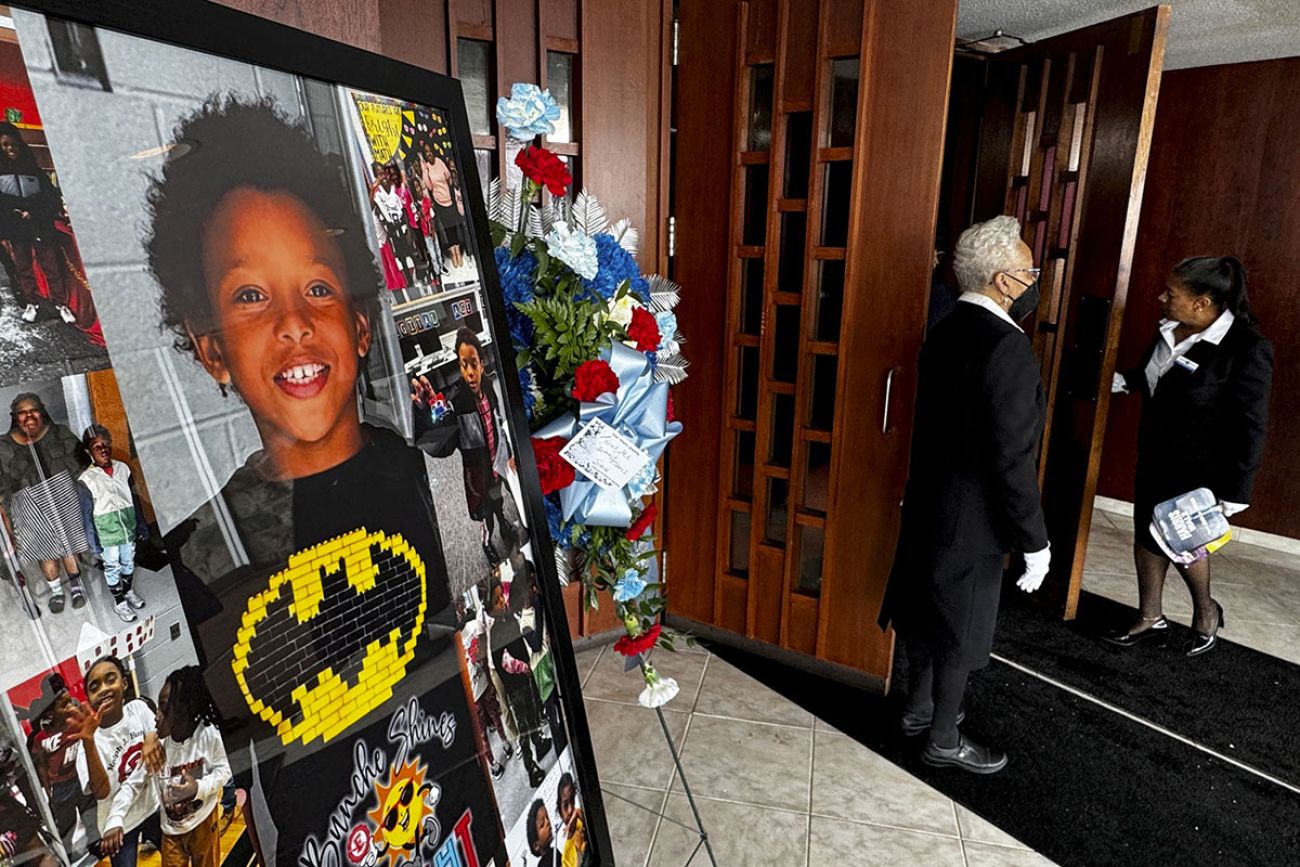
<point>517,244</point>
<point>499,233</point>
<point>523,358</point>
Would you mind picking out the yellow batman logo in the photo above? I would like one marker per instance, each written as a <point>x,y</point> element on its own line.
<point>331,635</point>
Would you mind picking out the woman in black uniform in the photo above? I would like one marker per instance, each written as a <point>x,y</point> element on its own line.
<point>1205,383</point>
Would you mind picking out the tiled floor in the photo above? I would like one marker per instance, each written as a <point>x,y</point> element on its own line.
<point>1259,588</point>
<point>775,786</point>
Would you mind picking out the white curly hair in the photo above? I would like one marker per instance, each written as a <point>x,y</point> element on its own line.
<point>985,249</point>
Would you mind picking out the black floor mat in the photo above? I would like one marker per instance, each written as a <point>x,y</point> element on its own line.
<point>1234,700</point>
<point>1085,786</point>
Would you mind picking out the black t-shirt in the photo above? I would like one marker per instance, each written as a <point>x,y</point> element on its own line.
<point>321,612</point>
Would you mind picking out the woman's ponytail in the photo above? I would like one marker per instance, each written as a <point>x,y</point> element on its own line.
<point>1222,279</point>
<point>1237,300</point>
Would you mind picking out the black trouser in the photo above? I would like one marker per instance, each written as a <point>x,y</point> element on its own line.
<point>936,684</point>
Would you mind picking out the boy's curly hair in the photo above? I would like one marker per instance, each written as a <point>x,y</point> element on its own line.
<point>235,143</point>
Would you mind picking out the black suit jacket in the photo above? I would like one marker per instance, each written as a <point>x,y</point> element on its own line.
<point>972,489</point>
<point>1204,427</point>
<point>973,481</point>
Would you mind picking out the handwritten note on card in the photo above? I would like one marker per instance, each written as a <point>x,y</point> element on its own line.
<point>604,455</point>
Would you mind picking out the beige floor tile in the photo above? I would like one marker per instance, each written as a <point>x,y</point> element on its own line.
<point>1114,519</point>
<point>836,843</point>
<point>757,763</point>
<point>627,739</point>
<point>1255,603</point>
<point>1231,570</point>
<point>631,825</point>
<point>1280,641</point>
<point>1262,556</point>
<point>975,828</point>
<point>610,681</point>
<point>980,855</point>
<point>852,782</point>
<point>740,834</point>
<point>730,692</point>
<point>1280,582</point>
<point>587,659</point>
<point>1123,588</point>
<point>1107,558</point>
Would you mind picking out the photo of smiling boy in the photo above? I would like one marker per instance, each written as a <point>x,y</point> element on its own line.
<point>268,282</point>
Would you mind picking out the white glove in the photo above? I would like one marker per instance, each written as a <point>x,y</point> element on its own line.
<point>1118,385</point>
<point>1230,509</point>
<point>1036,563</point>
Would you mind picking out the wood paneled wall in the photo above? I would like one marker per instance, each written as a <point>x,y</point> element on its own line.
<point>1222,180</point>
<point>624,52</point>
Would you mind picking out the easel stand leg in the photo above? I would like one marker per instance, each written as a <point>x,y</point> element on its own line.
<point>690,799</point>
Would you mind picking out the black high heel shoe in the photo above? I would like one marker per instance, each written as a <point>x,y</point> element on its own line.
<point>1158,630</point>
<point>1202,643</point>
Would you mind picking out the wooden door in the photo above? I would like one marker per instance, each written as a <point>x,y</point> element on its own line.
<point>809,147</point>
<point>1067,129</point>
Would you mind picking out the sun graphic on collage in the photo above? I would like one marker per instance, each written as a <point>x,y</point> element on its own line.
<point>404,813</point>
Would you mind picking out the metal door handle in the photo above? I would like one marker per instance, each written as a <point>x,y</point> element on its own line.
<point>889,390</point>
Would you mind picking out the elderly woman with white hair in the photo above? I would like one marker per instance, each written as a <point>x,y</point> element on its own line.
<point>972,491</point>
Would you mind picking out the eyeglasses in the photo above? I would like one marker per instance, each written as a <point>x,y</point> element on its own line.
<point>1034,272</point>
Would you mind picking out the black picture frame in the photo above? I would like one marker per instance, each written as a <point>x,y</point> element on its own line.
<point>228,33</point>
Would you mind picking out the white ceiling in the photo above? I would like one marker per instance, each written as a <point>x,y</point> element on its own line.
<point>1201,32</point>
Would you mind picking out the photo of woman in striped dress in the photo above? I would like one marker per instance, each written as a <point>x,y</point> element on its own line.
<point>39,462</point>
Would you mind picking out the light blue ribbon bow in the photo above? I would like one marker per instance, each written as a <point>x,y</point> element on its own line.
<point>639,411</point>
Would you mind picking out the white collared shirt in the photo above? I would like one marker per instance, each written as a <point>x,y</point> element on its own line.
<point>1167,352</point>
<point>982,300</point>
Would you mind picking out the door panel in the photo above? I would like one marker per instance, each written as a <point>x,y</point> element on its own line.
<point>1067,132</point>
<point>782,528</point>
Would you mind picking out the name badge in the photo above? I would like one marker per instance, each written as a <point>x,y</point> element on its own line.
<point>1186,364</point>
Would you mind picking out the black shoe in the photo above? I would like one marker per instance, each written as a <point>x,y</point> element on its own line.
<point>967,755</point>
<point>497,769</point>
<point>913,725</point>
<point>1205,643</point>
<point>78,593</point>
<point>1158,632</point>
<point>536,776</point>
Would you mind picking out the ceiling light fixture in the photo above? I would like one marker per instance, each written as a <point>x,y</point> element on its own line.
<point>995,43</point>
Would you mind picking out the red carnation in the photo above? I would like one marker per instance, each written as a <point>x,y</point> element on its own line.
<point>592,379</point>
<point>645,519</point>
<point>554,471</point>
<point>644,330</point>
<point>543,167</point>
<point>629,646</point>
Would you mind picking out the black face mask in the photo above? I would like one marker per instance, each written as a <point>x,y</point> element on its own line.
<point>1027,302</point>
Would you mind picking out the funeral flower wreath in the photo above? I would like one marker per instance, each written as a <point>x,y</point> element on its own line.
<point>596,342</point>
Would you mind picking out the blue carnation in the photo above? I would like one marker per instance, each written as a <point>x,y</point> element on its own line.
<point>555,522</point>
<point>516,275</point>
<point>526,387</point>
<point>629,587</point>
<point>667,322</point>
<point>615,266</point>
<point>530,111</point>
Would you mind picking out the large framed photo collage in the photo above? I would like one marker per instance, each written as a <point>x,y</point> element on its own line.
<point>267,606</point>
